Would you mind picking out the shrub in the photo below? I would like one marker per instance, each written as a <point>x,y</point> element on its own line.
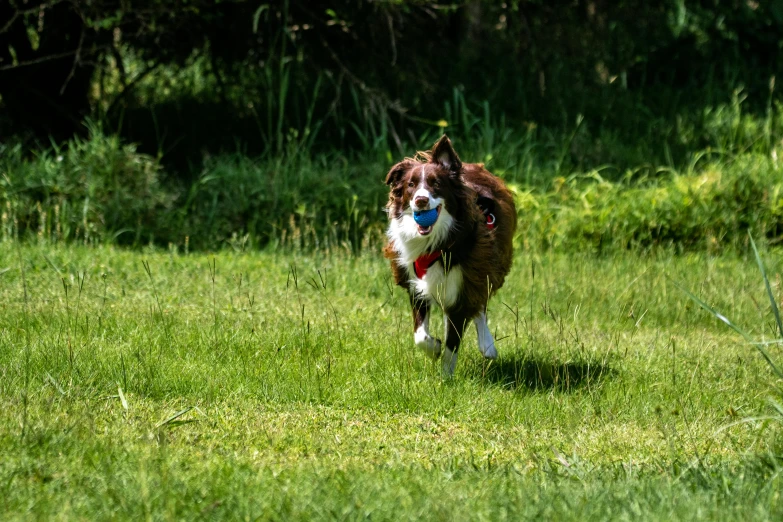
<point>296,202</point>
<point>91,189</point>
<point>713,208</point>
<point>98,189</point>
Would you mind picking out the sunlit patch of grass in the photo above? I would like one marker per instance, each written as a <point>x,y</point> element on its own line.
<point>286,386</point>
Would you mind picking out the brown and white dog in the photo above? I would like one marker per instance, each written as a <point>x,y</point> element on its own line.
<point>459,261</point>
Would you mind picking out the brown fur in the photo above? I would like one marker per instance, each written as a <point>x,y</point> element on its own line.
<point>484,254</point>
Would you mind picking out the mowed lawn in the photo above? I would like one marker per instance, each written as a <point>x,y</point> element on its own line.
<point>252,386</point>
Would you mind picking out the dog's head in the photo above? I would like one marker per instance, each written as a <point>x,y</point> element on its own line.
<point>425,192</point>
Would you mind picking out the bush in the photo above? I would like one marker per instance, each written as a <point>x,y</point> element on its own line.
<point>98,189</point>
<point>92,190</point>
<point>295,202</point>
<point>711,209</point>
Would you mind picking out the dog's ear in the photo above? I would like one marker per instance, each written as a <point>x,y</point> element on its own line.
<point>444,155</point>
<point>397,172</point>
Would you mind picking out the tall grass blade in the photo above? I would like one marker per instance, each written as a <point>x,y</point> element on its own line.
<point>767,343</point>
<point>778,408</point>
<point>734,327</point>
<point>257,16</point>
<point>177,415</point>
<point>715,313</point>
<point>123,400</point>
<point>772,301</point>
<point>53,265</point>
<point>54,383</point>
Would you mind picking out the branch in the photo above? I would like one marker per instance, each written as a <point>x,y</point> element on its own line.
<point>20,12</point>
<point>38,60</point>
<point>127,88</point>
<point>10,22</point>
<point>76,60</point>
<point>120,65</point>
<point>393,41</point>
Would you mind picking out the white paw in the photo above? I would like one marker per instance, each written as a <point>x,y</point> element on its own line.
<point>486,344</point>
<point>427,343</point>
<point>489,352</point>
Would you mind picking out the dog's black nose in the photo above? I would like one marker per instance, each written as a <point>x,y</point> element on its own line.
<point>421,201</point>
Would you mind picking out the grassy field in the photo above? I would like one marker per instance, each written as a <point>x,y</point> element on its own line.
<point>160,385</point>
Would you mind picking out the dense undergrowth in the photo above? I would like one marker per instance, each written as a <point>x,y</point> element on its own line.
<point>98,189</point>
<point>710,208</point>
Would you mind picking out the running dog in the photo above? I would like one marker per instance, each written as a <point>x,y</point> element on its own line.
<point>451,226</point>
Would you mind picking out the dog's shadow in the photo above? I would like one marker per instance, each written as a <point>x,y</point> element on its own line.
<point>530,374</point>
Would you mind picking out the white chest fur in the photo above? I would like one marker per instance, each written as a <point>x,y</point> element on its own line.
<point>439,286</point>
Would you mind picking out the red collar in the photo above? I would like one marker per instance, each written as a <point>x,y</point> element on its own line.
<point>425,261</point>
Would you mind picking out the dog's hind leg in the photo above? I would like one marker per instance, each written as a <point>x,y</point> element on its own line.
<point>486,343</point>
<point>421,325</point>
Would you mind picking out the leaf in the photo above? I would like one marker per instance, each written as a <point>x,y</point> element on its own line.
<point>257,16</point>
<point>12,52</point>
<point>32,36</point>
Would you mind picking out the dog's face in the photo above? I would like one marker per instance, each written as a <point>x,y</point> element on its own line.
<point>417,187</point>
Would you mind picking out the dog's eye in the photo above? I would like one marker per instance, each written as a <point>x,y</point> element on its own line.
<point>410,184</point>
<point>436,184</point>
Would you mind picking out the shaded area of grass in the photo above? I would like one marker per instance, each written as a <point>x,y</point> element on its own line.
<point>514,373</point>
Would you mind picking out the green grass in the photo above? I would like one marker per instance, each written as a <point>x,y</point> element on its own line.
<point>300,395</point>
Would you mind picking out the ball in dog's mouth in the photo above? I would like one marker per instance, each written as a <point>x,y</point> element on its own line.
<point>425,219</point>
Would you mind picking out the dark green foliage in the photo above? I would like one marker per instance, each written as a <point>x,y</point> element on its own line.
<point>325,203</point>
<point>99,190</point>
<point>620,124</point>
<point>633,70</point>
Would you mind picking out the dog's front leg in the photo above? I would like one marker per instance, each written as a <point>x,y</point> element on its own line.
<point>421,327</point>
<point>455,327</point>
